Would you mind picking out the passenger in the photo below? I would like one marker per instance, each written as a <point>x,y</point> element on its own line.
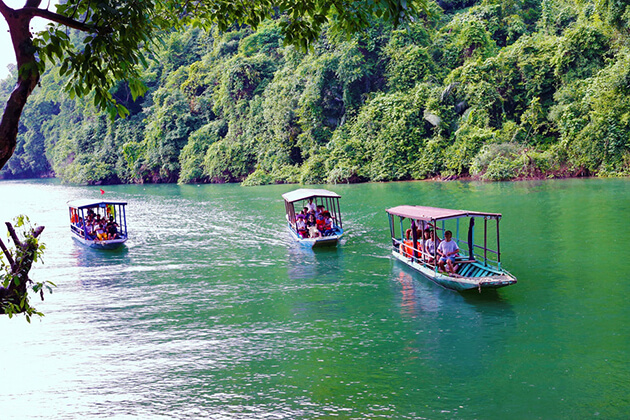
<point>328,223</point>
<point>448,250</point>
<point>406,248</point>
<point>112,231</point>
<point>311,206</point>
<point>429,245</point>
<point>101,235</point>
<point>300,226</point>
<point>319,218</point>
<point>318,211</point>
<point>311,225</point>
<point>89,227</point>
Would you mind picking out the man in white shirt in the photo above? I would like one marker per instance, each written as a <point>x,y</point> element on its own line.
<point>447,249</point>
<point>311,206</point>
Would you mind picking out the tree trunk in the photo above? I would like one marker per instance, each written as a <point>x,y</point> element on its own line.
<point>28,77</point>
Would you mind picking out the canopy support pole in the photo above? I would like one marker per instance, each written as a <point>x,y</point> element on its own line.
<point>485,241</point>
<point>498,246</point>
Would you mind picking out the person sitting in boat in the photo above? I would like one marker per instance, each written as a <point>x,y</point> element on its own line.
<point>429,245</point>
<point>300,226</point>
<point>312,208</point>
<point>448,249</point>
<point>406,248</point>
<point>327,224</point>
<point>318,211</point>
<point>319,218</point>
<point>311,225</point>
<point>101,234</point>
<point>89,229</point>
<point>112,230</point>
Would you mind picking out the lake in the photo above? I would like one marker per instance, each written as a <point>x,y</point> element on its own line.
<point>211,311</point>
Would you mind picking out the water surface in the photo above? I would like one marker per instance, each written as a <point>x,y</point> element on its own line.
<point>212,312</point>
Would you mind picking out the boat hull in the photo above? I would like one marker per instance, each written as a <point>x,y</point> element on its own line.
<point>460,283</point>
<point>324,241</point>
<point>95,244</point>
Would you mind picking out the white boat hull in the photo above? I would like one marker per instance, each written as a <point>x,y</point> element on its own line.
<point>322,241</point>
<point>96,244</point>
<point>498,279</point>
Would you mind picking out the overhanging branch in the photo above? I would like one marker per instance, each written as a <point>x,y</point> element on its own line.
<point>57,18</point>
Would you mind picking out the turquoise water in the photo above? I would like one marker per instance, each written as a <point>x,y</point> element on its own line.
<point>212,312</point>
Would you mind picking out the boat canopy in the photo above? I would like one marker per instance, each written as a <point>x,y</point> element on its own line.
<point>84,204</point>
<point>433,213</point>
<point>305,193</point>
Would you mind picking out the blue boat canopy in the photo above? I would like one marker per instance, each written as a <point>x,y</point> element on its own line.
<point>428,214</point>
<point>84,204</point>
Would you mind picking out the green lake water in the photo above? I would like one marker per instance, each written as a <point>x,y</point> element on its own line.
<point>211,311</point>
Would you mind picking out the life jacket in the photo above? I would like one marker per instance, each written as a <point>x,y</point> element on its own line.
<point>406,248</point>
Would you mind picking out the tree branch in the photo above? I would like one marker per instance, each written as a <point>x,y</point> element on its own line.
<point>14,236</point>
<point>7,254</point>
<point>55,17</point>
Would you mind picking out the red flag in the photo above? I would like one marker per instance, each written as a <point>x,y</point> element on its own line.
<point>102,192</point>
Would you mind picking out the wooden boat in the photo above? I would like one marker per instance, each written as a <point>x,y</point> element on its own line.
<point>330,202</point>
<point>114,211</point>
<point>477,268</point>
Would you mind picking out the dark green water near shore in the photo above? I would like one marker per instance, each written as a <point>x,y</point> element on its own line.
<point>212,312</point>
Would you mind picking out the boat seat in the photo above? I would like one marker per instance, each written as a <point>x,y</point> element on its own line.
<point>463,270</point>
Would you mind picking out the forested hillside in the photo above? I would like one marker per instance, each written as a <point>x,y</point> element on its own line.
<point>496,89</point>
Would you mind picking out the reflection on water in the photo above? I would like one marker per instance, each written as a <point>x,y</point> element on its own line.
<point>458,331</point>
<point>307,263</point>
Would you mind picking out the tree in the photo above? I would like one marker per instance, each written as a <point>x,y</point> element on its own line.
<point>14,280</point>
<point>116,37</point>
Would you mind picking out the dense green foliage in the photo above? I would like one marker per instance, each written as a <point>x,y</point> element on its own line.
<point>15,265</point>
<point>494,89</point>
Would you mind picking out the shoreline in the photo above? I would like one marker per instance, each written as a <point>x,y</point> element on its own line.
<point>451,178</point>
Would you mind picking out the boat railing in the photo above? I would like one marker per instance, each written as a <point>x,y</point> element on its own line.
<point>76,230</point>
<point>423,257</point>
<point>485,251</point>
